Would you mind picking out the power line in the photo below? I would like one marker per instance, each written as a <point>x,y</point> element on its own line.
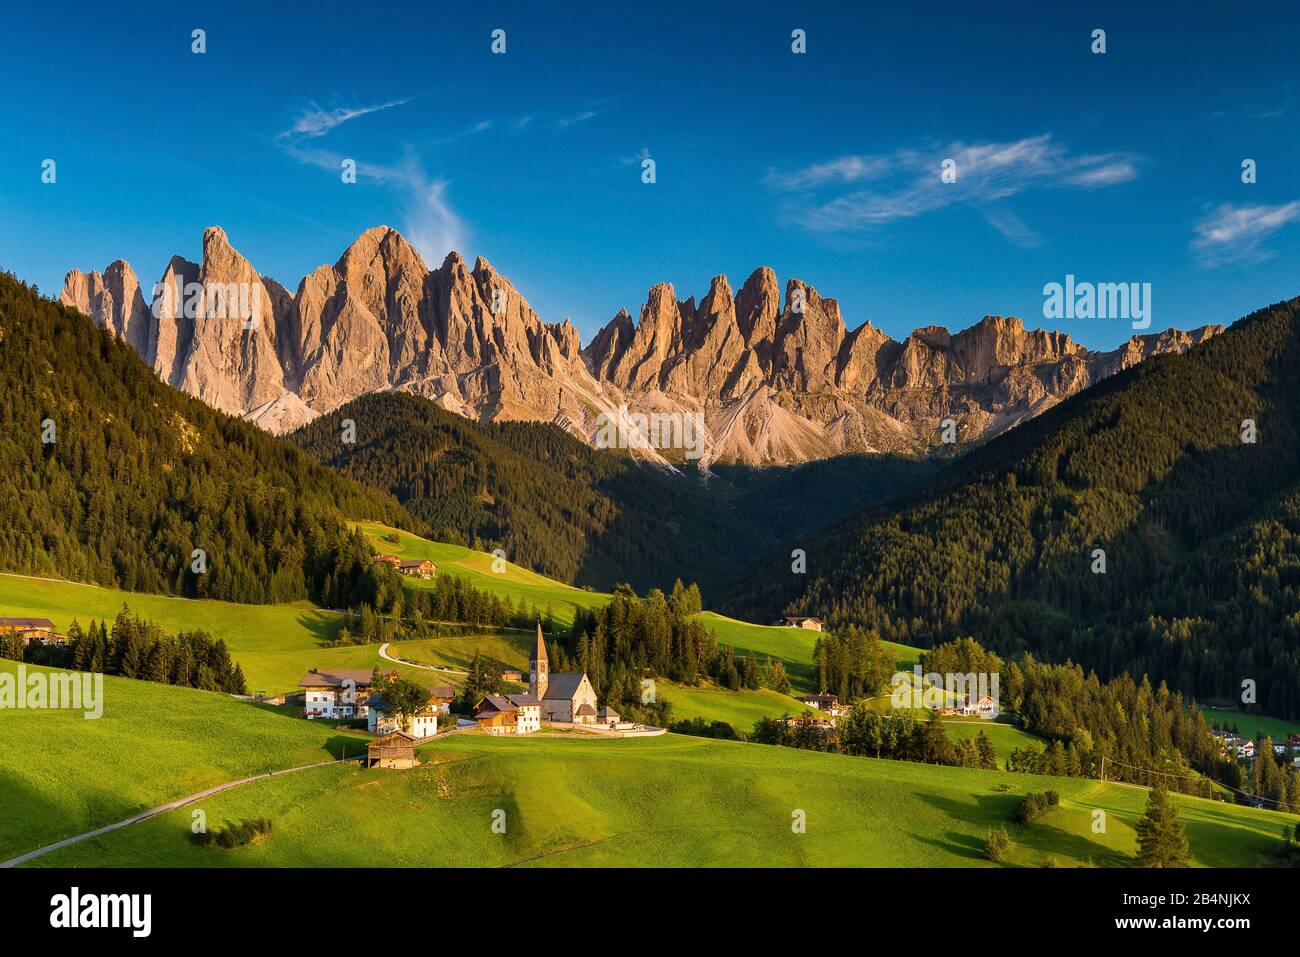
<point>1211,781</point>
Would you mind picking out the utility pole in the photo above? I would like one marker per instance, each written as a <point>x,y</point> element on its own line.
<point>1103,769</point>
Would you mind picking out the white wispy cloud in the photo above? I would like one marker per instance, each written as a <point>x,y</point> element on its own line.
<point>906,184</point>
<point>640,156</point>
<point>315,121</point>
<point>428,220</point>
<point>1231,233</point>
<point>1012,227</point>
<point>567,121</point>
<point>845,169</point>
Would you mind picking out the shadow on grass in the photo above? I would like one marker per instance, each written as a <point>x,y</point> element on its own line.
<point>323,625</point>
<point>990,810</point>
<point>1045,836</point>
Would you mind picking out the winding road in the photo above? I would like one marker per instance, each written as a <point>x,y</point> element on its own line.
<point>383,653</point>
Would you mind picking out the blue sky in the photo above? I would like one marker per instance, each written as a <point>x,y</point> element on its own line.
<point>1122,167</point>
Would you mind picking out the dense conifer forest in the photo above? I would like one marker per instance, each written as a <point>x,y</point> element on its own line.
<point>112,477</point>
<point>1177,477</point>
<point>584,515</point>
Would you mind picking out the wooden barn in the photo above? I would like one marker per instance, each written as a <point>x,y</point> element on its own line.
<point>394,750</point>
<point>421,567</point>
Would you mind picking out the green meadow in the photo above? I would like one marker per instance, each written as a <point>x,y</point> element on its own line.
<point>740,709</point>
<point>513,581</point>
<point>62,774</point>
<point>572,800</point>
<point>1250,724</point>
<point>1003,735</point>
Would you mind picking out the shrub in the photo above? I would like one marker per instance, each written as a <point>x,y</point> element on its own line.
<point>234,835</point>
<point>1035,804</point>
<point>1032,806</point>
<point>996,844</point>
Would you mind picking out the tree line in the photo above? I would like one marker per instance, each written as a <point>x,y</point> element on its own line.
<point>135,648</point>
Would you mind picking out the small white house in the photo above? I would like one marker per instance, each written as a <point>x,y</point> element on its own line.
<point>984,707</point>
<point>337,693</point>
<point>422,725</point>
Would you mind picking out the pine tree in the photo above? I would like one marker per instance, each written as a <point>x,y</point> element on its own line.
<point>1161,841</point>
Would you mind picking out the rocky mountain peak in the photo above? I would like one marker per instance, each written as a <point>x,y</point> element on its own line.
<point>779,377</point>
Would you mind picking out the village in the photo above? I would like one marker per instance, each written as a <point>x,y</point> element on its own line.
<point>554,701</point>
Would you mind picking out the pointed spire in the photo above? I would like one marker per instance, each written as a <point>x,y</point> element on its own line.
<point>539,653</point>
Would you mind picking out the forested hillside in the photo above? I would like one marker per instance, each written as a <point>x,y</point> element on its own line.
<point>1200,529</point>
<point>584,515</point>
<point>115,478</point>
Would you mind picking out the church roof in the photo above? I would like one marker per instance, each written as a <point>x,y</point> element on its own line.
<point>563,685</point>
<point>539,652</point>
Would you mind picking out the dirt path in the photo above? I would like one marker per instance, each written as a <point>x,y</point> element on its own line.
<point>163,809</point>
<point>383,653</point>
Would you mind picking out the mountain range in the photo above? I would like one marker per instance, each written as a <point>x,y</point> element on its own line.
<point>1150,524</point>
<point>778,377</point>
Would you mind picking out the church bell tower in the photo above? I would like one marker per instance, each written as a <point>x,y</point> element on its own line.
<point>537,667</point>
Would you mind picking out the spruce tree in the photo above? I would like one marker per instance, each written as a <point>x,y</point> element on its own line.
<point>1161,841</point>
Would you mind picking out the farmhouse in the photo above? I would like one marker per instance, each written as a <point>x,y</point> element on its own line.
<point>828,703</point>
<point>419,567</point>
<point>394,750</point>
<point>422,725</point>
<point>819,722</point>
<point>508,714</point>
<point>388,560</point>
<point>30,629</point>
<point>337,693</point>
<point>799,621</point>
<point>984,707</point>
<point>564,697</point>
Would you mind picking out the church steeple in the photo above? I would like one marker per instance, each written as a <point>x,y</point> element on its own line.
<point>538,667</point>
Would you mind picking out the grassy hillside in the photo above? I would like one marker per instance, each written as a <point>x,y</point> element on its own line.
<point>274,644</point>
<point>671,801</point>
<point>1251,725</point>
<point>61,774</point>
<point>740,709</point>
<point>515,581</point>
